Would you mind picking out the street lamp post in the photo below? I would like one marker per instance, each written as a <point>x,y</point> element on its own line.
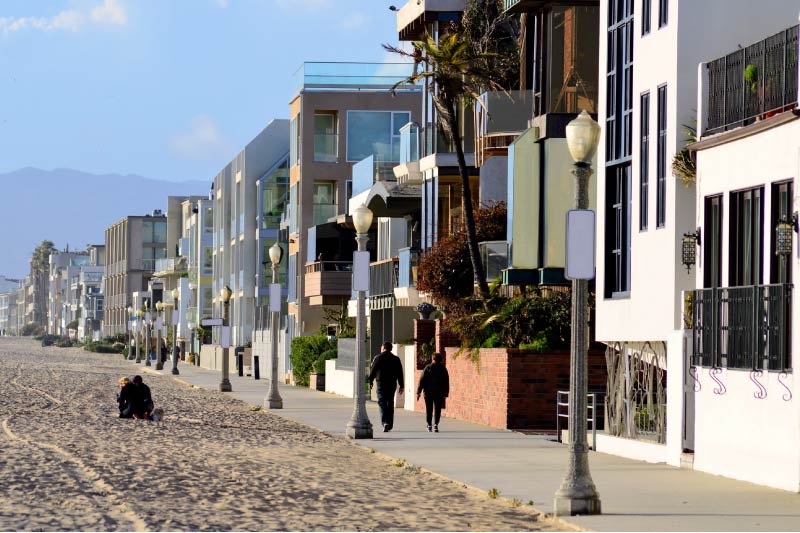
<point>175,317</point>
<point>274,400</point>
<point>359,426</point>
<point>131,333</point>
<point>577,494</point>
<point>159,361</point>
<point>148,324</point>
<point>139,323</point>
<point>225,382</point>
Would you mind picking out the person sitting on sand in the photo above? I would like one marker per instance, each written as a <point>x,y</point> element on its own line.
<point>122,398</point>
<point>139,399</point>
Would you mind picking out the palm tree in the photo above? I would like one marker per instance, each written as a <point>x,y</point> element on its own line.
<point>40,269</point>
<point>456,75</point>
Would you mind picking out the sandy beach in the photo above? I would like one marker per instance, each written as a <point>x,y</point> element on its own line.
<point>67,462</point>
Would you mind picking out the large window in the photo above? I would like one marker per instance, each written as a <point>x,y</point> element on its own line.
<point>294,142</point>
<point>618,224</point>
<point>644,160</point>
<point>746,239</point>
<point>324,201</point>
<point>208,260</point>
<point>273,196</point>
<point>712,242</point>
<point>326,140</point>
<point>661,192</point>
<point>154,231</point>
<point>375,133</point>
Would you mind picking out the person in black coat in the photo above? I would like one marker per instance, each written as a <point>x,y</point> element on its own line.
<point>123,395</point>
<point>387,370</point>
<point>435,383</point>
<point>137,397</point>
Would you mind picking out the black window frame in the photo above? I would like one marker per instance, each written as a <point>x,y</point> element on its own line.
<point>712,240</point>
<point>738,274</point>
<point>663,13</point>
<point>617,232</point>
<point>661,158</point>
<point>647,12</point>
<point>781,201</point>
<point>644,160</point>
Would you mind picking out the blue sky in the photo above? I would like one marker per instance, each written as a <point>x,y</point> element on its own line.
<point>169,89</point>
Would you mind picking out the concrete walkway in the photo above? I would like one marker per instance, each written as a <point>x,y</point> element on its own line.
<point>636,496</point>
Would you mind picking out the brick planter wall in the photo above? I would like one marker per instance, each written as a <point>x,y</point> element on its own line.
<point>512,389</point>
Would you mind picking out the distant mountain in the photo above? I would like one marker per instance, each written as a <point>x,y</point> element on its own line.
<point>72,207</point>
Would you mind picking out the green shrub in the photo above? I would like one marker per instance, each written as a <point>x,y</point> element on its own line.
<point>319,364</point>
<point>118,346</point>
<point>104,347</point>
<point>305,352</point>
<point>64,342</point>
<point>119,337</point>
<point>32,330</point>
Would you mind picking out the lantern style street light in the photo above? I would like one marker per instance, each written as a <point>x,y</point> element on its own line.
<point>225,295</point>
<point>577,494</point>
<point>139,324</point>
<point>159,361</point>
<point>689,244</point>
<point>274,400</point>
<point>175,317</point>
<point>148,339</point>
<point>359,426</point>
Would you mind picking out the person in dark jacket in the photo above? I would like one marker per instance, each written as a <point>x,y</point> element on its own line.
<point>387,370</point>
<point>125,385</point>
<point>138,398</point>
<point>435,383</point>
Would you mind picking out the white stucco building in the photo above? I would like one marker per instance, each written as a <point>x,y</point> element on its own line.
<point>649,55</point>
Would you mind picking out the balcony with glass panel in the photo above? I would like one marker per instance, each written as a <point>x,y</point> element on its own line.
<point>334,75</point>
<point>499,120</point>
<point>326,147</point>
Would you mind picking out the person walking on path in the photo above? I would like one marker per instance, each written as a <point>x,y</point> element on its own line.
<point>435,384</point>
<point>387,370</point>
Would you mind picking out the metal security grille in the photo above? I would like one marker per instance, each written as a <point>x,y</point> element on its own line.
<point>736,98</point>
<point>747,328</point>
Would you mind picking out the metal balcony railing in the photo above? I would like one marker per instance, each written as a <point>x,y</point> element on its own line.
<point>746,328</point>
<point>383,277</point>
<point>753,83</point>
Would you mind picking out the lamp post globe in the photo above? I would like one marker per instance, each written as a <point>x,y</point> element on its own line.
<point>577,494</point>
<point>275,254</point>
<point>583,134</point>
<point>362,219</point>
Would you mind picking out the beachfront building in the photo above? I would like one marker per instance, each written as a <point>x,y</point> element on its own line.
<point>132,246</point>
<point>198,248</point>
<point>341,113</point>
<point>86,295</point>
<point>741,316</point>
<point>8,305</point>
<point>650,54</point>
<point>235,218</point>
<point>65,267</point>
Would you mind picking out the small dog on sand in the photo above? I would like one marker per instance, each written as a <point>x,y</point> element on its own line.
<point>157,415</point>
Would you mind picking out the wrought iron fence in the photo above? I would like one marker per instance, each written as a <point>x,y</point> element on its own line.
<point>636,401</point>
<point>746,328</point>
<point>753,82</point>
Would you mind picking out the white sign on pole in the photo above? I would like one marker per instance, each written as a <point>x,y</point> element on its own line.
<point>159,323</point>
<point>147,316</point>
<point>225,337</point>
<point>360,271</point>
<point>580,244</point>
<point>175,316</point>
<point>275,298</point>
<point>130,325</point>
<point>211,322</point>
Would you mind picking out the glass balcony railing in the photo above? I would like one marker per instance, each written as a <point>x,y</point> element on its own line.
<point>163,265</point>
<point>326,147</point>
<point>495,258</point>
<point>408,261</point>
<point>322,212</point>
<point>409,143</point>
<point>331,75</point>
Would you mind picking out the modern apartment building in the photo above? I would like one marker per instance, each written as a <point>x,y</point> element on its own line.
<point>8,305</point>
<point>133,244</point>
<point>235,232</point>
<point>341,113</point>
<point>87,298</point>
<point>198,248</point>
<point>62,308</point>
<point>650,55</point>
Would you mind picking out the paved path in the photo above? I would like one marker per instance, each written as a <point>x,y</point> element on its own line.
<point>636,496</point>
<point>69,463</point>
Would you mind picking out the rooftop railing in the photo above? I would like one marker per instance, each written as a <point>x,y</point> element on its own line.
<point>332,76</point>
<point>753,83</point>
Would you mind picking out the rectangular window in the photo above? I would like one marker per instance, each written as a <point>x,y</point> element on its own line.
<point>644,160</point>
<point>375,133</point>
<point>746,239</point>
<point>663,13</point>
<point>618,224</point>
<point>712,242</point>
<point>324,202</point>
<point>208,260</point>
<point>147,231</point>
<point>782,199</point>
<point>294,142</point>
<point>619,82</point>
<point>293,209</point>
<point>646,16</point>
<point>661,192</point>
<point>326,139</point>
<point>292,280</point>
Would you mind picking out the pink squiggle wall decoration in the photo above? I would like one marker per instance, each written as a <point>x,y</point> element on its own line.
<point>693,373</point>
<point>762,391</point>
<point>787,397</point>
<point>713,373</point>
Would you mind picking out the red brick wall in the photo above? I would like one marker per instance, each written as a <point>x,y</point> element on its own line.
<point>511,389</point>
